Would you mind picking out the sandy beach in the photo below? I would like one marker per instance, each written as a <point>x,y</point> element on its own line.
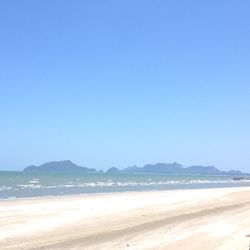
<point>181,219</point>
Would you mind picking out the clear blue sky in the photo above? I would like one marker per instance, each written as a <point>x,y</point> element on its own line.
<point>124,82</point>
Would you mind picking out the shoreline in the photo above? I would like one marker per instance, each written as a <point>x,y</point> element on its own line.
<point>184,187</point>
<point>45,197</point>
<point>144,220</point>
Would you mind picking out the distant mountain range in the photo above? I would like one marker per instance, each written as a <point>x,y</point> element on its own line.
<point>159,168</point>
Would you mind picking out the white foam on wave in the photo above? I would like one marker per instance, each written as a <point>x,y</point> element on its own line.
<point>24,186</point>
<point>111,183</point>
<point>66,185</point>
<point>2,188</point>
<point>34,181</point>
<point>50,186</point>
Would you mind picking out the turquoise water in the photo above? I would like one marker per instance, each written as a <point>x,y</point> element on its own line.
<point>23,184</point>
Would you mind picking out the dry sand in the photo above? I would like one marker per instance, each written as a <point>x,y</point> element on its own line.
<point>183,219</point>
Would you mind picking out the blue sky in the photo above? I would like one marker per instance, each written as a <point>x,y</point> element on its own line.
<point>118,83</point>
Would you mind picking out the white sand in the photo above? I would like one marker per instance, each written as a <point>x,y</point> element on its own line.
<point>182,219</point>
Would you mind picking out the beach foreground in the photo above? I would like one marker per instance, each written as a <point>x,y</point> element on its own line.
<point>181,219</point>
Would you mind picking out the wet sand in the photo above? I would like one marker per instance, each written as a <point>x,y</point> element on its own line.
<point>204,219</point>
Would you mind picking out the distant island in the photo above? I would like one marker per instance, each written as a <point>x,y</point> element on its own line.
<point>68,166</point>
<point>59,166</point>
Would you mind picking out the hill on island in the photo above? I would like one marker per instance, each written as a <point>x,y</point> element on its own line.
<point>159,168</point>
<point>173,168</point>
<point>59,166</point>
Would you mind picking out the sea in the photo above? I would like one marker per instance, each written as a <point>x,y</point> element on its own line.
<point>15,185</point>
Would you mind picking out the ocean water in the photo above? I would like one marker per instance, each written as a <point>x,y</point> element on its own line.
<point>22,184</point>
